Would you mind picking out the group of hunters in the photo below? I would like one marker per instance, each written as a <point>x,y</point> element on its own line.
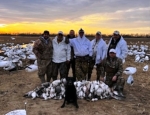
<point>82,55</point>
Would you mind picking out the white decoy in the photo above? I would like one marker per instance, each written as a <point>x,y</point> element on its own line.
<point>137,59</point>
<point>20,64</point>
<point>10,67</point>
<point>5,63</point>
<point>17,112</point>
<point>130,80</point>
<point>146,58</point>
<point>145,68</point>
<point>130,71</point>
<point>141,60</point>
<point>12,38</point>
<point>31,57</point>
<point>31,68</point>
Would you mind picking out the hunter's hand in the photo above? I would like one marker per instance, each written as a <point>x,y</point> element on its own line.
<point>114,78</point>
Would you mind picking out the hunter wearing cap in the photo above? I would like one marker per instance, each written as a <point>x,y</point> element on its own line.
<point>43,50</point>
<point>111,72</point>
<point>118,43</point>
<point>61,56</point>
<point>83,54</point>
<point>99,49</point>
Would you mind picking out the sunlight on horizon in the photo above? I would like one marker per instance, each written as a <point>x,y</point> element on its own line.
<point>90,23</point>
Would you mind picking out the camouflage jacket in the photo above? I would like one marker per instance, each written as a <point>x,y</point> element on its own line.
<point>43,49</point>
<point>112,67</point>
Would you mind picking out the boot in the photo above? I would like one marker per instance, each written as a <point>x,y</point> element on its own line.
<point>120,91</point>
<point>42,78</point>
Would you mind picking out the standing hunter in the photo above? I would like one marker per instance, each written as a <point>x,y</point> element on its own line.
<point>118,43</point>
<point>112,68</point>
<point>83,54</point>
<point>61,56</point>
<point>99,49</point>
<point>71,35</point>
<point>43,50</point>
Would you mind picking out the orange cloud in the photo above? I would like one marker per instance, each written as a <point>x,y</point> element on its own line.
<point>90,23</point>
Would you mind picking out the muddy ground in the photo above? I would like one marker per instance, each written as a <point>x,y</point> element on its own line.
<point>14,85</point>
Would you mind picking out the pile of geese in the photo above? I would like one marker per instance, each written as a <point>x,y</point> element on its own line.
<point>90,90</point>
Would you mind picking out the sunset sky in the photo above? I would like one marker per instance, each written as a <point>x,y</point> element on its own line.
<point>35,16</point>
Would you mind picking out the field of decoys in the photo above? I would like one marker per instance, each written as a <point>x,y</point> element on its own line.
<point>18,74</point>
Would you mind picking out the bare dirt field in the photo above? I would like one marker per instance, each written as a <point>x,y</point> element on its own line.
<point>15,85</point>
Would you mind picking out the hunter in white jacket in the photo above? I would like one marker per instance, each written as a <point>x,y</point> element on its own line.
<point>120,46</point>
<point>61,51</point>
<point>99,50</point>
<point>61,56</point>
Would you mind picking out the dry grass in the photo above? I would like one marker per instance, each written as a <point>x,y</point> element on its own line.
<point>13,87</point>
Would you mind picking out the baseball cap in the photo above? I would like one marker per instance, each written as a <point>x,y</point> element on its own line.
<point>60,32</point>
<point>112,50</point>
<point>98,33</point>
<point>116,32</point>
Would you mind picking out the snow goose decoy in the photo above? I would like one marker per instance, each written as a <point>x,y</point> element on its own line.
<point>130,71</point>
<point>145,68</point>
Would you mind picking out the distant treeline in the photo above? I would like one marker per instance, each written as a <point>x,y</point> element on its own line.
<point>88,35</point>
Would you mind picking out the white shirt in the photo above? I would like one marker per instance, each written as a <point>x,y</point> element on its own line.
<point>61,51</point>
<point>100,50</point>
<point>81,46</point>
<point>121,48</point>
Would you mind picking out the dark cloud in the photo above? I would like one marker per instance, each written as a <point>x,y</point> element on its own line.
<point>12,11</point>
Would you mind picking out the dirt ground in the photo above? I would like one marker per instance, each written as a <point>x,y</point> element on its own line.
<point>14,85</point>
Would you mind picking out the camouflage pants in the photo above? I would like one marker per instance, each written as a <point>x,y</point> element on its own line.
<point>61,67</point>
<point>81,69</point>
<point>118,83</point>
<point>90,68</point>
<point>44,67</point>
